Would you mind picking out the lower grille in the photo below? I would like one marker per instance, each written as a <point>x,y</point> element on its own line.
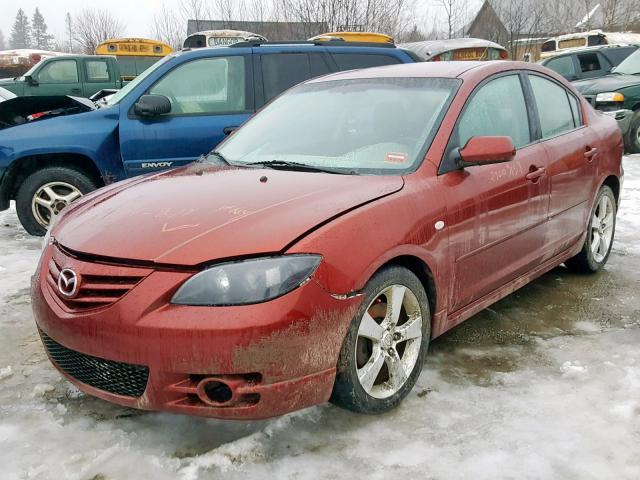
<point>113,377</point>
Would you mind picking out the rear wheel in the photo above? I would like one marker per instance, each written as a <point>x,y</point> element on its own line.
<point>383,353</point>
<point>44,193</point>
<point>597,246</point>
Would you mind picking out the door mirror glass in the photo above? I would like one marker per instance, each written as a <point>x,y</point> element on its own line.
<point>152,106</point>
<point>30,80</point>
<point>486,151</point>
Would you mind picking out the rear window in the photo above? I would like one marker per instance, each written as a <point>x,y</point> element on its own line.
<point>548,46</point>
<point>352,61</point>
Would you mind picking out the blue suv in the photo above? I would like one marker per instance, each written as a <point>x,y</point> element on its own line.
<point>178,109</point>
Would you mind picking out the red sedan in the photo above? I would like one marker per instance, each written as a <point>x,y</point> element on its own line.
<point>315,254</point>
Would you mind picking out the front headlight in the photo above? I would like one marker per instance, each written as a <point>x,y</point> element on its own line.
<point>247,281</point>
<point>609,97</point>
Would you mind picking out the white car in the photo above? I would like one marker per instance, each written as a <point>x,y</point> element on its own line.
<point>6,94</point>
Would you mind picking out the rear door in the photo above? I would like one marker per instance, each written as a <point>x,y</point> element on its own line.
<point>57,77</point>
<point>98,75</point>
<point>209,98</point>
<point>278,70</point>
<point>571,154</point>
<point>496,214</point>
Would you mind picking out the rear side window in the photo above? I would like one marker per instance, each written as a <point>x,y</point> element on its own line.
<point>352,61</point>
<point>589,62</point>
<point>211,85</point>
<point>575,110</point>
<point>548,46</point>
<point>59,71</point>
<point>280,71</point>
<point>563,66</point>
<point>497,109</point>
<point>97,70</point>
<point>555,112</point>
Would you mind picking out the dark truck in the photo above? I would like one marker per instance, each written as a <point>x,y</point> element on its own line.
<point>178,109</point>
<point>77,75</point>
<point>618,95</point>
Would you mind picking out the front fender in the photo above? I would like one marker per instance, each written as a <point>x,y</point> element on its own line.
<point>357,244</point>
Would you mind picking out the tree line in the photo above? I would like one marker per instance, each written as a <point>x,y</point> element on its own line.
<point>83,31</point>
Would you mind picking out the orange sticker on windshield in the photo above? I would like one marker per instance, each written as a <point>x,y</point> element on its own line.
<point>394,157</point>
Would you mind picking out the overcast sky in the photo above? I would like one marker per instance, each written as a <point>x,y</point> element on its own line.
<point>137,15</point>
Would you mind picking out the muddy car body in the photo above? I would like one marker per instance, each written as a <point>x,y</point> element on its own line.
<point>253,288</point>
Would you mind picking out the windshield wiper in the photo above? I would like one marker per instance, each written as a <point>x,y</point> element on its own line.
<point>303,167</point>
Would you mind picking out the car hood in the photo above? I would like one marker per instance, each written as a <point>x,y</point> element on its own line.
<point>16,111</point>
<point>608,83</point>
<point>201,213</point>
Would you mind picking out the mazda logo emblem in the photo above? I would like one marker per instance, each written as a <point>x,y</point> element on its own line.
<point>68,283</point>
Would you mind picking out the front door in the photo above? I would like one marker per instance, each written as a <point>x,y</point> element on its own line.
<point>56,77</point>
<point>209,98</point>
<point>496,214</point>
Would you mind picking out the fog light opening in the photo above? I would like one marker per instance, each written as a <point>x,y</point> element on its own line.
<point>217,392</point>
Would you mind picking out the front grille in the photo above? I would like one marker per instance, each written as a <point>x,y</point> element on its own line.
<point>114,377</point>
<point>98,285</point>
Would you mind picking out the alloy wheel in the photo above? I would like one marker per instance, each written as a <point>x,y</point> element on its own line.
<point>602,228</point>
<point>50,199</point>
<point>389,341</point>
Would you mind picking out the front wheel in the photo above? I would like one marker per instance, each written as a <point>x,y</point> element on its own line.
<point>383,353</point>
<point>45,192</point>
<point>602,225</point>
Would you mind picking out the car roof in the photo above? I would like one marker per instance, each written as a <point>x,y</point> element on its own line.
<point>429,70</point>
<point>430,48</point>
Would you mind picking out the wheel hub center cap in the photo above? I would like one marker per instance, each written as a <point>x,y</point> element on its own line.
<point>387,340</point>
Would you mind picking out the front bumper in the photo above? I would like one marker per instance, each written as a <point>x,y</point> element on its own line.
<point>622,116</point>
<point>276,357</point>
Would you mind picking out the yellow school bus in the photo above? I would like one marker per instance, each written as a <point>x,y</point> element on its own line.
<point>368,37</point>
<point>134,55</point>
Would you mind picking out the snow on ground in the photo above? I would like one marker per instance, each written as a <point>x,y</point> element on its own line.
<point>544,384</point>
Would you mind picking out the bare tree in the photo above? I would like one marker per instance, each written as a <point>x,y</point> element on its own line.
<point>169,27</point>
<point>194,10</point>
<point>455,15</point>
<point>93,26</point>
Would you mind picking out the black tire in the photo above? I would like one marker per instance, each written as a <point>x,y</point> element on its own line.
<point>585,262</point>
<point>633,136</point>
<point>348,392</point>
<point>78,179</point>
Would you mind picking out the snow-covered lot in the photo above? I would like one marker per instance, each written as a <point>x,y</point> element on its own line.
<point>545,384</point>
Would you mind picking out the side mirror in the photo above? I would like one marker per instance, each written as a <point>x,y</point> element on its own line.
<point>486,151</point>
<point>31,81</point>
<point>152,106</point>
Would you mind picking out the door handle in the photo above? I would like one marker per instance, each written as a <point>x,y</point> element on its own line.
<point>535,173</point>
<point>591,153</point>
<point>228,130</point>
<point>75,90</point>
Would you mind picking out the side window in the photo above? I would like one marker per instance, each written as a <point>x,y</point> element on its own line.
<point>97,70</point>
<point>562,66</point>
<point>575,110</point>
<point>211,85</point>
<point>497,109</point>
<point>589,64</point>
<point>554,109</point>
<point>318,65</point>
<point>59,71</point>
<point>617,54</point>
<point>352,61</point>
<point>281,71</point>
